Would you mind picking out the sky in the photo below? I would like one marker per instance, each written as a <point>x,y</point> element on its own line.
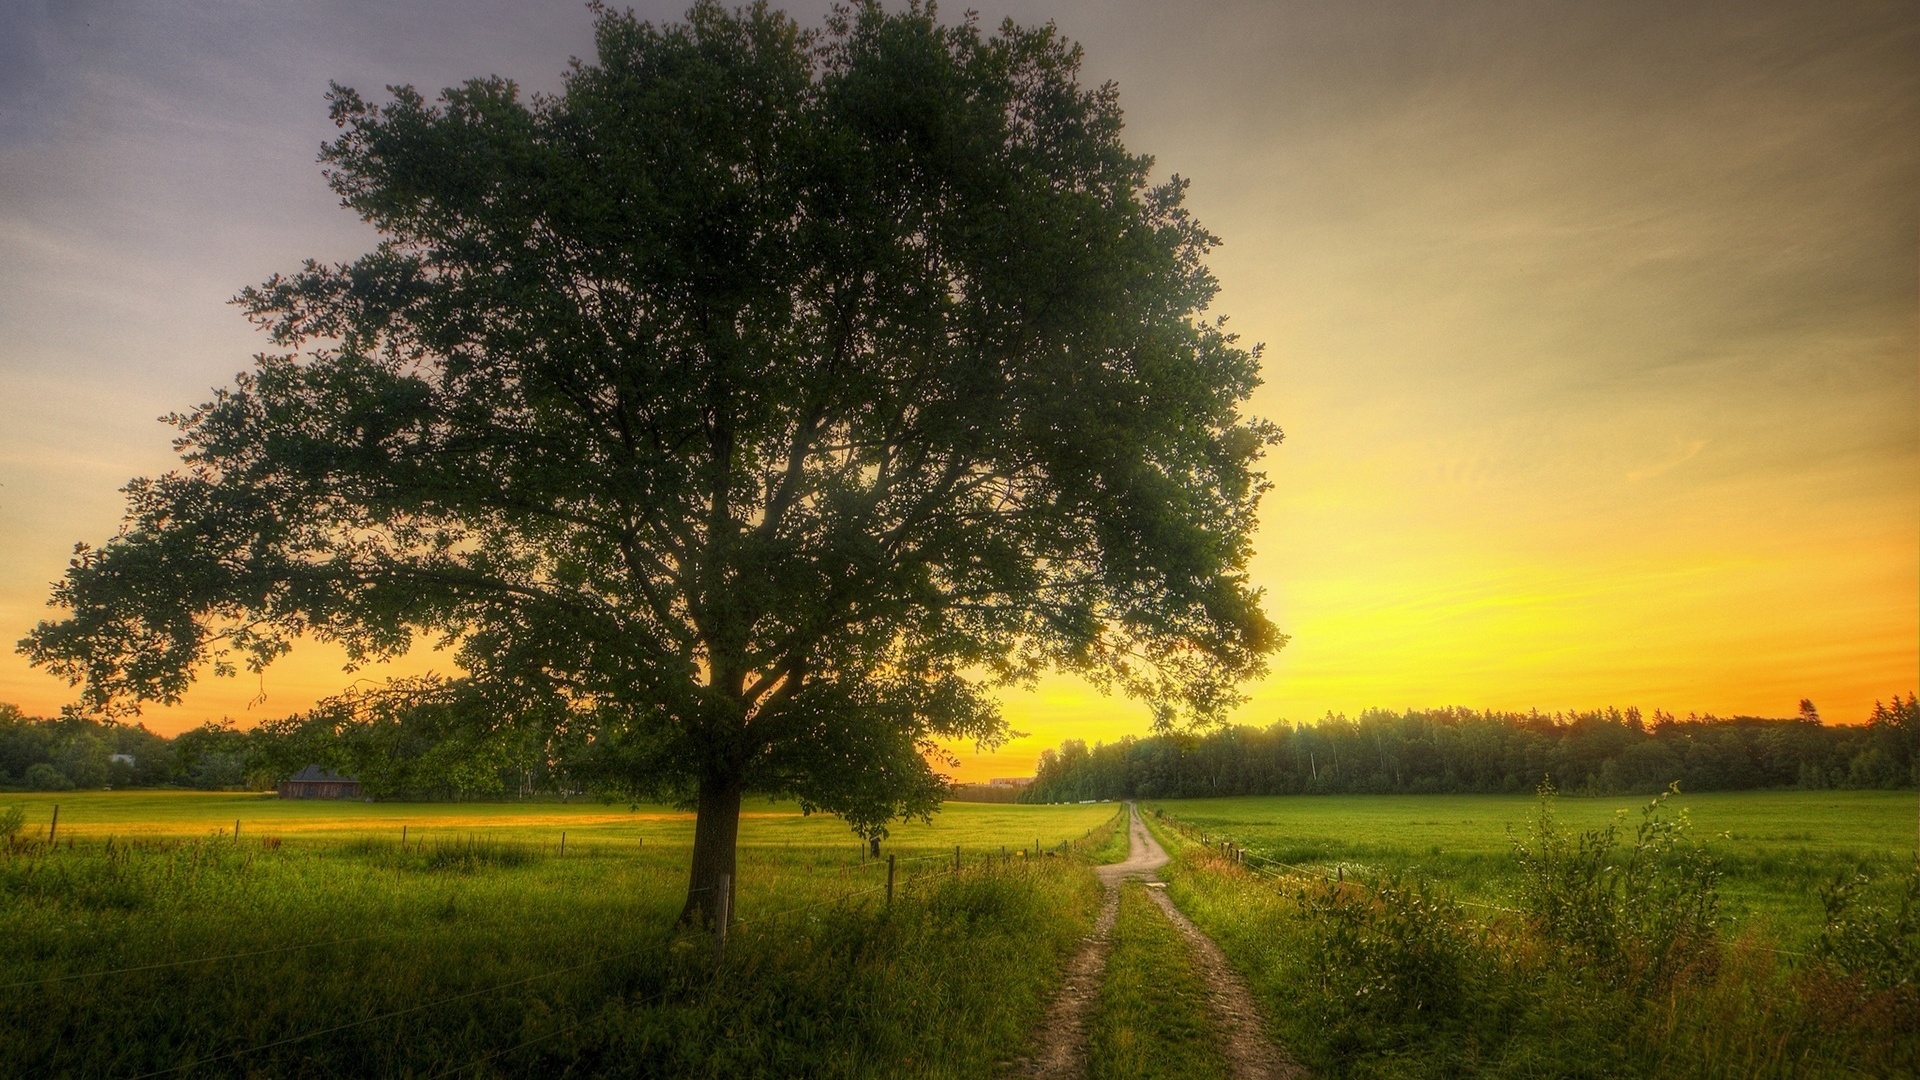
<point>1594,328</point>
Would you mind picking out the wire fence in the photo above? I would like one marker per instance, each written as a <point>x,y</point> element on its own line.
<point>951,867</point>
<point>187,963</point>
<point>397,1013</point>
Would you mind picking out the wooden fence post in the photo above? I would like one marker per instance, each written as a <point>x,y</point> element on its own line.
<point>236,831</point>
<point>563,843</point>
<point>55,825</point>
<point>889,879</point>
<point>722,914</point>
<point>956,858</point>
<point>403,838</point>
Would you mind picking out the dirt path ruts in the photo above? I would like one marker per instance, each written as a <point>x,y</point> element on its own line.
<point>1062,1050</point>
<point>1235,1016</point>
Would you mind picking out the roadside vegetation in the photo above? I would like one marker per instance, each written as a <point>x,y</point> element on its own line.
<point>1610,956</point>
<point>488,951</point>
<point>1774,850</point>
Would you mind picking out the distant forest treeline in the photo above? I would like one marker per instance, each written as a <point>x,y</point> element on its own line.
<point>1460,751</point>
<point>424,746</point>
<point>442,743</point>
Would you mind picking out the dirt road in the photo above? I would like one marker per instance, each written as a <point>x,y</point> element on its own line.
<point>1061,1046</point>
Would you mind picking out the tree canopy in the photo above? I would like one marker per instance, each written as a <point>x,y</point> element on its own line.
<point>747,411</point>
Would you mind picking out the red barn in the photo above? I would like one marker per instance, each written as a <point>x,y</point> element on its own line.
<point>314,782</point>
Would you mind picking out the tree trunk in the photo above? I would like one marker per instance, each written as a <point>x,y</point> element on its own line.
<point>716,832</point>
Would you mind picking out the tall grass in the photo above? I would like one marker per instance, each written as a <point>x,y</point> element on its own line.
<point>1609,962</point>
<point>1150,1020</point>
<point>1773,850</point>
<point>499,957</point>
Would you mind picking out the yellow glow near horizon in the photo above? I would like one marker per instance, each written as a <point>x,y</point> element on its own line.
<point>1593,331</point>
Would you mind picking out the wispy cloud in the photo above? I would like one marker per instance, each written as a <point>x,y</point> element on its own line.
<point>1688,453</point>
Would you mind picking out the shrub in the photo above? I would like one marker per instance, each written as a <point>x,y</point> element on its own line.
<point>1635,917</point>
<point>1396,952</point>
<point>44,777</point>
<point>1877,941</point>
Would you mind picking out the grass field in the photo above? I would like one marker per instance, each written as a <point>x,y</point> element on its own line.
<point>317,945</point>
<point>193,814</point>
<point>1387,975</point>
<point>148,941</point>
<point>1775,848</point>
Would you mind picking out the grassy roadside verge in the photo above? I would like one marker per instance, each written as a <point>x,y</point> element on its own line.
<point>1109,843</point>
<point>1399,981</point>
<point>1151,1018</point>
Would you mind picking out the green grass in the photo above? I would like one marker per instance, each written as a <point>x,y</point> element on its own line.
<point>1776,848</point>
<point>479,943</point>
<point>1401,984</point>
<point>1150,1021</point>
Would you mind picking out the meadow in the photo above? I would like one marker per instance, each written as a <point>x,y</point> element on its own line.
<point>1775,849</point>
<point>504,939</point>
<point>147,940</point>
<point>1408,936</point>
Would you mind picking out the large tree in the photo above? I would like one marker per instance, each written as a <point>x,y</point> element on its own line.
<point>748,411</point>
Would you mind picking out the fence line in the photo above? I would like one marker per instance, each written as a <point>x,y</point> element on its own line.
<point>1339,877</point>
<point>162,965</point>
<point>449,999</point>
<point>186,963</point>
<point>959,867</point>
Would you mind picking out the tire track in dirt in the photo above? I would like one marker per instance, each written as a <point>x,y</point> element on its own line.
<point>1235,1016</point>
<point>1061,1052</point>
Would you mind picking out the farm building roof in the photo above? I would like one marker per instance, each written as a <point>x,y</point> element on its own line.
<point>314,774</point>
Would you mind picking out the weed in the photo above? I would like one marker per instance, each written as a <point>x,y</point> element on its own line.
<point>1876,940</point>
<point>1634,916</point>
<point>1395,953</point>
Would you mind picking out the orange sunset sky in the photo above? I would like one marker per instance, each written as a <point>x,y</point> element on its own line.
<point>1594,328</point>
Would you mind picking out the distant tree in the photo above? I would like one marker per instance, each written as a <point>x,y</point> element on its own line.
<point>415,738</point>
<point>211,756</point>
<point>752,407</point>
<point>83,759</point>
<point>44,777</point>
<point>1458,750</point>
